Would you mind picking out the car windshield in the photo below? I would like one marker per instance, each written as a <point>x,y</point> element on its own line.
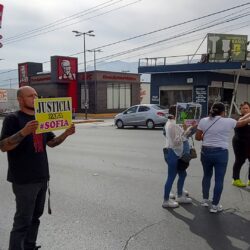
<point>158,107</point>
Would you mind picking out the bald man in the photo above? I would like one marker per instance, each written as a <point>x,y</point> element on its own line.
<point>28,168</point>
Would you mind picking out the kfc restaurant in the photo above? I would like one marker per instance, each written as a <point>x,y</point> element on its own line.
<point>106,92</point>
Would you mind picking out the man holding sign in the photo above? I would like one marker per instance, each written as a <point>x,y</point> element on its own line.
<point>28,169</point>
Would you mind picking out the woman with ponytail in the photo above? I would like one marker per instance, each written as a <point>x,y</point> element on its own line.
<point>214,132</point>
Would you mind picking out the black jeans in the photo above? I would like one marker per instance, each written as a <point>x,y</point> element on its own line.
<point>30,200</point>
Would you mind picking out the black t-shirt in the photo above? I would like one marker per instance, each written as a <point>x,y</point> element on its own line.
<point>28,162</point>
<point>242,133</point>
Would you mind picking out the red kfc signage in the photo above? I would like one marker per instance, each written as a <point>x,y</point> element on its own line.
<point>66,68</point>
<point>23,74</point>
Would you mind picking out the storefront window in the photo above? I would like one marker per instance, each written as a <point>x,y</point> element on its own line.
<point>118,96</point>
<point>170,97</point>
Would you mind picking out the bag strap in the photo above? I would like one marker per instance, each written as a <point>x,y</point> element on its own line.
<point>192,141</point>
<point>49,205</point>
<point>211,125</point>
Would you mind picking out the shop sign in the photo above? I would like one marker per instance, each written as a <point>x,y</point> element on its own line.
<point>200,96</point>
<point>226,47</point>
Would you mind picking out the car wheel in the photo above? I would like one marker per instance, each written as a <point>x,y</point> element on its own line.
<point>150,124</point>
<point>119,124</point>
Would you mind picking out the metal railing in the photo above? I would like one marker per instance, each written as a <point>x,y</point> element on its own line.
<point>161,61</point>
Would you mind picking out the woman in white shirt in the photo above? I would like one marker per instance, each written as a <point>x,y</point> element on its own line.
<point>175,148</point>
<point>214,131</point>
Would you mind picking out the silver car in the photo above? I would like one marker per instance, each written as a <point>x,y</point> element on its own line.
<point>149,115</point>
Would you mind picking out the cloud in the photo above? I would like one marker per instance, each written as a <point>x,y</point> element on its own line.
<point>135,19</point>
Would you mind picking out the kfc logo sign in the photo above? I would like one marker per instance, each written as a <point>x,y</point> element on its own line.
<point>23,74</point>
<point>66,68</point>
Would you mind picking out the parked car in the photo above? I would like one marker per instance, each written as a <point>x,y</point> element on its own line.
<point>149,115</point>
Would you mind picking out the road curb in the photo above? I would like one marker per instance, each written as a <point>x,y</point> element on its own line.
<point>87,121</point>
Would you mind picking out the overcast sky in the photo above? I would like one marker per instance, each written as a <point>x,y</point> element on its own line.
<point>35,30</point>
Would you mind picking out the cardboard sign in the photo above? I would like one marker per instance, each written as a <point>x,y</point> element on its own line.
<point>53,113</point>
<point>187,113</point>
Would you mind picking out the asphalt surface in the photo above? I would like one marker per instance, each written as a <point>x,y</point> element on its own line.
<point>107,188</point>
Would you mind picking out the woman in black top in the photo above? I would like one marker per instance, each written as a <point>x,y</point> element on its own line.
<point>241,146</point>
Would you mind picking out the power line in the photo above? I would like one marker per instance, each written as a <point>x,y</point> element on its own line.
<point>171,38</point>
<point>173,26</point>
<point>167,39</point>
<point>28,36</point>
<point>62,20</point>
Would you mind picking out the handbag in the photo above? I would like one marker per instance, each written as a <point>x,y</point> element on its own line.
<point>193,153</point>
<point>182,165</point>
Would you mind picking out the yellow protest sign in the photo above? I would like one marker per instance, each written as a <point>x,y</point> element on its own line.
<point>53,113</point>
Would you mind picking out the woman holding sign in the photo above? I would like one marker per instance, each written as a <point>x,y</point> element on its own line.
<point>175,148</point>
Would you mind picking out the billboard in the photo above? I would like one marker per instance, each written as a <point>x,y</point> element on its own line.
<point>23,74</point>
<point>226,47</point>
<point>63,69</point>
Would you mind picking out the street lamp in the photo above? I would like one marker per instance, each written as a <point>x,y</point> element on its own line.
<point>83,34</point>
<point>94,51</point>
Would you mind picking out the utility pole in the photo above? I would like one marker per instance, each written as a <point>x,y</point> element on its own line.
<point>94,51</point>
<point>83,34</point>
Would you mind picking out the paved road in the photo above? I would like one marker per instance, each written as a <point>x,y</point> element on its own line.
<point>107,187</point>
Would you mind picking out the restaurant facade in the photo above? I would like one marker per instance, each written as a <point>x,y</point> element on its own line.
<point>102,92</point>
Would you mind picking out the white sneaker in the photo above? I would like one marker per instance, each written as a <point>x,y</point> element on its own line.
<point>185,192</point>
<point>205,203</point>
<point>170,203</point>
<point>171,196</point>
<point>183,199</point>
<point>216,208</point>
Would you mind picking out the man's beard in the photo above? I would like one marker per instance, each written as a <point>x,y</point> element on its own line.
<point>29,108</point>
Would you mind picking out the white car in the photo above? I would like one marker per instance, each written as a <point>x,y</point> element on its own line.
<point>149,115</point>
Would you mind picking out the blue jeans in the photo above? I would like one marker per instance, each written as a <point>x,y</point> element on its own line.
<point>217,159</point>
<point>30,200</point>
<point>186,147</point>
<point>171,159</point>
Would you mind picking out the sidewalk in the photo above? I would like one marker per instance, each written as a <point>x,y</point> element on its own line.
<point>80,117</point>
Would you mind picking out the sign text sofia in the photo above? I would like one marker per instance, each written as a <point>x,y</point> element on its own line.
<point>53,113</point>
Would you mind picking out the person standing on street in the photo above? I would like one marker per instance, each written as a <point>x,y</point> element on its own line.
<point>214,132</point>
<point>28,169</point>
<point>175,148</point>
<point>241,146</point>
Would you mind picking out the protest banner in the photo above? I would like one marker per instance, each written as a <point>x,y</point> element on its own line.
<point>187,113</point>
<point>53,113</point>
